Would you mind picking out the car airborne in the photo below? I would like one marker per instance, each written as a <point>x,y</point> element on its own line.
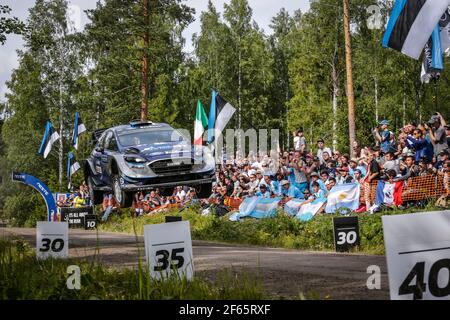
<point>142,156</point>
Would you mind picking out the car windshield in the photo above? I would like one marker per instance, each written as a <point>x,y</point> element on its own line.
<point>138,137</point>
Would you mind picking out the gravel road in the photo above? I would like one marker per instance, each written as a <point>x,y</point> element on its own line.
<point>285,273</point>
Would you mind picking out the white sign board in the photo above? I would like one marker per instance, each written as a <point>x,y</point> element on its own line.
<point>418,255</point>
<point>52,239</point>
<point>168,249</point>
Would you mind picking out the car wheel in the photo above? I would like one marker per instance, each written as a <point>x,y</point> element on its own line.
<point>96,196</point>
<point>205,190</point>
<point>123,198</point>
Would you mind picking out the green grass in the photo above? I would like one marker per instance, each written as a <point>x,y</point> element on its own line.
<point>22,276</point>
<point>281,231</point>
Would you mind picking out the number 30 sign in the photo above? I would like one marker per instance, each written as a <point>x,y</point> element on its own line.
<point>168,248</point>
<point>52,240</point>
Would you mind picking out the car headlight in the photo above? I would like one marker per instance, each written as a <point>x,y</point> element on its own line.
<point>134,159</point>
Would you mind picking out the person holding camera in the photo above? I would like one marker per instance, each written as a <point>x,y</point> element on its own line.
<point>385,137</point>
<point>436,131</point>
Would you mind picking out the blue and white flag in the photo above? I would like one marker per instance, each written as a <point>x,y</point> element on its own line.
<point>411,24</point>
<point>384,193</point>
<point>309,210</point>
<point>72,165</point>
<point>78,129</point>
<point>50,137</point>
<point>343,196</point>
<point>292,206</point>
<point>256,207</point>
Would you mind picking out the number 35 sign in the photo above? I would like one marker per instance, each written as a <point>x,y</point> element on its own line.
<point>52,240</point>
<point>168,248</point>
<point>418,255</point>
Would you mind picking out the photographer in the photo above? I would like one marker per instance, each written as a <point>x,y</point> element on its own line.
<point>385,137</point>
<point>436,130</point>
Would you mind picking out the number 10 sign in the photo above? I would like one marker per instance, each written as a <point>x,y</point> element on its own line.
<point>168,248</point>
<point>418,255</point>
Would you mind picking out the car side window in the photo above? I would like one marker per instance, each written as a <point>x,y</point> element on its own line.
<point>110,142</point>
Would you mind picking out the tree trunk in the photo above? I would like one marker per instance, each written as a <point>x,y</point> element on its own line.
<point>376,99</point>
<point>239,88</point>
<point>335,96</point>
<point>144,84</point>
<point>348,62</point>
<point>61,130</point>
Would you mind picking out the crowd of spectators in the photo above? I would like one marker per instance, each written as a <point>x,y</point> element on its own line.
<point>78,199</point>
<point>310,172</point>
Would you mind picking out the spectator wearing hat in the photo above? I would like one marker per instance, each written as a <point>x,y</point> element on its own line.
<point>344,176</point>
<point>437,134</point>
<point>443,157</point>
<point>289,192</point>
<point>321,149</point>
<point>385,137</point>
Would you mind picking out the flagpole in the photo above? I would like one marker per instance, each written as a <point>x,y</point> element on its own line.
<point>350,93</point>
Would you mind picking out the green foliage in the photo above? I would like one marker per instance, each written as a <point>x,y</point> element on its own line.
<point>286,80</point>
<point>22,276</point>
<point>9,25</point>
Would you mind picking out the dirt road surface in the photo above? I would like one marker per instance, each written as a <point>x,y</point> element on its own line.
<point>285,273</point>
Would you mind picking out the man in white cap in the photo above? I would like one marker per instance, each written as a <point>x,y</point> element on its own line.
<point>290,192</point>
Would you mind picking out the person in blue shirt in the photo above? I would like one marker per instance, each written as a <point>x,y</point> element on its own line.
<point>290,192</point>
<point>422,146</point>
<point>263,192</point>
<point>315,178</point>
<point>385,137</point>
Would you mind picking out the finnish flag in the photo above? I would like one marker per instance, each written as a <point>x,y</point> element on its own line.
<point>78,128</point>
<point>50,136</point>
<point>411,24</point>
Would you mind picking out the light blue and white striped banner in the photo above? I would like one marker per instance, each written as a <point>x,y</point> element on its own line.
<point>343,196</point>
<point>256,207</point>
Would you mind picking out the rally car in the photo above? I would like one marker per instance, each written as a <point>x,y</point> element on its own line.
<point>142,156</point>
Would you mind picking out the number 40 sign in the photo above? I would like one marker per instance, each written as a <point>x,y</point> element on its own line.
<point>418,255</point>
<point>168,248</point>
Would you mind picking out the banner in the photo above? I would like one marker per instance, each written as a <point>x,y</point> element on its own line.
<point>343,196</point>
<point>256,207</point>
<point>41,188</point>
<point>75,216</point>
<point>309,210</point>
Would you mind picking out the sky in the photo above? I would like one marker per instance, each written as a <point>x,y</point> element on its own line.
<point>263,11</point>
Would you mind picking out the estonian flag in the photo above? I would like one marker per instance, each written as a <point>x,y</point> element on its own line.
<point>78,128</point>
<point>411,24</point>
<point>220,114</point>
<point>50,136</point>
<point>72,167</point>
<point>432,58</point>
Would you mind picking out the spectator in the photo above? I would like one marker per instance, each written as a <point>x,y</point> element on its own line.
<point>299,141</point>
<point>421,146</point>
<point>321,149</point>
<point>443,157</point>
<point>289,192</point>
<point>390,163</point>
<point>344,176</point>
<point>263,192</point>
<point>437,134</point>
<point>385,137</point>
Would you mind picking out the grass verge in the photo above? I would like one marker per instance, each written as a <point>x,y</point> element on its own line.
<point>281,231</point>
<point>22,276</point>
